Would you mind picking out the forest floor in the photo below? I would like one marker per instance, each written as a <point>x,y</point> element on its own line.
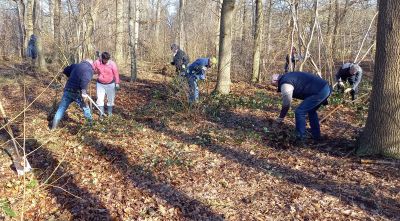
<point>157,158</point>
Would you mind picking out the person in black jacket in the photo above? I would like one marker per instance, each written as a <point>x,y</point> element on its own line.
<point>75,90</point>
<point>180,60</point>
<point>351,73</point>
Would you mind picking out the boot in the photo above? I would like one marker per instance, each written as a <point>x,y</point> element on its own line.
<point>109,110</point>
<point>102,111</point>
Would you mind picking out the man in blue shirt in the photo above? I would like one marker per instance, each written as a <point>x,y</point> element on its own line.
<point>197,71</point>
<point>313,90</point>
<point>75,90</point>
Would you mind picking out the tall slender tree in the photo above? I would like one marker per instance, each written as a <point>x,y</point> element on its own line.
<point>225,48</point>
<point>119,32</point>
<point>257,41</point>
<point>133,35</point>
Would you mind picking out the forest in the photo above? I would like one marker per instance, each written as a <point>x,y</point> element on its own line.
<point>199,110</point>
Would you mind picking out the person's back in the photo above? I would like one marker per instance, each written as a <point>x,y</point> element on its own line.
<point>305,84</point>
<point>80,76</point>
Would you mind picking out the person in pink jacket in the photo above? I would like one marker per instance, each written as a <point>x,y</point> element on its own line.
<point>107,81</point>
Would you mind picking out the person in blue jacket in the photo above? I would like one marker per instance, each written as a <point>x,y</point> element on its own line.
<point>313,90</point>
<point>197,71</point>
<point>75,90</point>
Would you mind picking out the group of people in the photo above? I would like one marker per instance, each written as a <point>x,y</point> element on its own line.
<point>192,72</point>
<point>76,88</point>
<point>312,89</point>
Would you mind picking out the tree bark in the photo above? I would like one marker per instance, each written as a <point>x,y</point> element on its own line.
<point>21,27</point>
<point>119,32</point>
<point>257,41</point>
<point>28,21</point>
<point>181,24</point>
<point>225,48</point>
<point>133,35</point>
<point>41,62</point>
<point>158,15</point>
<point>382,130</point>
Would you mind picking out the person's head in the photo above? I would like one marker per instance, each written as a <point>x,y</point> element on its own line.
<point>354,68</point>
<point>294,50</point>
<point>212,62</point>
<point>105,57</point>
<point>90,61</point>
<point>174,48</point>
<point>275,79</point>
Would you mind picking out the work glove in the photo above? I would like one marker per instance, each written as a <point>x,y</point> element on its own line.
<point>117,88</point>
<point>341,84</point>
<point>85,96</point>
<point>348,90</point>
<point>183,67</point>
<point>172,63</point>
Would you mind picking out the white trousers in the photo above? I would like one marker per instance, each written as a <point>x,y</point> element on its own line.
<point>105,89</point>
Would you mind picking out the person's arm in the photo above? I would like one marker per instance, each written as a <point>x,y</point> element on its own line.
<point>358,79</point>
<point>115,72</point>
<point>85,80</point>
<point>287,96</point>
<point>67,70</point>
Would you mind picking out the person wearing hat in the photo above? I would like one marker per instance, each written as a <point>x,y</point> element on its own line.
<point>75,90</point>
<point>313,90</point>
<point>180,60</point>
<point>351,73</point>
<point>107,81</point>
<point>197,71</point>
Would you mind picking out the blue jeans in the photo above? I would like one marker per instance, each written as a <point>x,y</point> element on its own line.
<point>310,106</point>
<point>67,98</point>
<point>193,89</point>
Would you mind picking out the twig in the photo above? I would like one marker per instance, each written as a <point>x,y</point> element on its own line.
<point>26,108</point>
<point>384,162</point>
<point>365,37</point>
<point>65,191</point>
<point>330,113</point>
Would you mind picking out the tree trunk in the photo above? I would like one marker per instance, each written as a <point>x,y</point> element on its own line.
<point>119,32</point>
<point>51,20</point>
<point>257,41</point>
<point>181,24</point>
<point>158,15</point>
<point>225,48</point>
<point>219,4</point>
<point>133,35</point>
<point>41,62</point>
<point>21,27</point>
<point>382,130</point>
<point>28,21</point>
<point>57,29</point>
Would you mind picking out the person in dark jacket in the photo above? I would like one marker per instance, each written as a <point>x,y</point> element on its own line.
<point>351,73</point>
<point>32,51</point>
<point>313,90</point>
<point>294,59</point>
<point>180,60</point>
<point>75,90</point>
<point>197,71</point>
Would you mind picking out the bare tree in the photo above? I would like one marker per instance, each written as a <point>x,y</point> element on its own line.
<point>181,24</point>
<point>119,35</point>
<point>225,48</point>
<point>257,41</point>
<point>133,35</point>
<point>382,130</point>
